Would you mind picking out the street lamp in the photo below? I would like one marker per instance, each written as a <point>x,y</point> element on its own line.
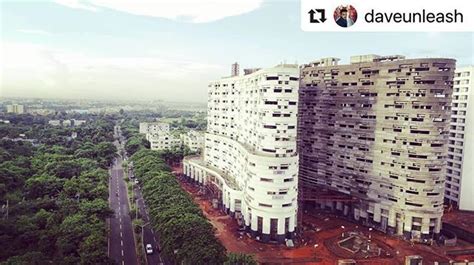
<point>143,243</point>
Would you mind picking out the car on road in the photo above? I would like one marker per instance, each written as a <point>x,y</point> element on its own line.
<point>136,181</point>
<point>149,249</point>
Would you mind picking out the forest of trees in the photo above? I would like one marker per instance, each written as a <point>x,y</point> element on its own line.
<point>54,192</point>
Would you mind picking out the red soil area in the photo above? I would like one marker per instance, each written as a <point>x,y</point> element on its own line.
<point>320,230</point>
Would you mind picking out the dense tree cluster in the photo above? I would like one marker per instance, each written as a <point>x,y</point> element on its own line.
<point>186,235</point>
<point>56,191</point>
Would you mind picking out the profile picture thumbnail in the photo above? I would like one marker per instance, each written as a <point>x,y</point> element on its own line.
<point>345,16</point>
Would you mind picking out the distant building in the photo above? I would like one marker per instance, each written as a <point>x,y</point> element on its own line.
<point>154,127</point>
<point>235,69</point>
<point>163,141</point>
<point>54,122</point>
<point>67,123</point>
<point>460,170</point>
<point>15,108</point>
<point>194,140</point>
<point>78,122</point>
<point>41,111</point>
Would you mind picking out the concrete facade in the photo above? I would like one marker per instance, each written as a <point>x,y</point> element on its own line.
<point>15,108</point>
<point>194,140</point>
<point>250,160</point>
<point>377,130</point>
<point>163,141</point>
<point>153,127</point>
<point>460,171</point>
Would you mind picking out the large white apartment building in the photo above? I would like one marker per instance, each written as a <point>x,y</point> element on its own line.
<point>250,163</point>
<point>460,170</point>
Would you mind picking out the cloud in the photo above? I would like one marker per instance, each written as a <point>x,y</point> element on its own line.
<point>192,11</point>
<point>34,31</point>
<point>78,4</point>
<point>36,70</point>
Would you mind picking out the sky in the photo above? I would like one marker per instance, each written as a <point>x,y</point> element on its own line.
<point>170,49</point>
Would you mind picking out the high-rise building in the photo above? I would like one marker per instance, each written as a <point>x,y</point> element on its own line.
<point>376,130</point>
<point>234,71</point>
<point>15,108</point>
<point>460,171</point>
<point>250,163</point>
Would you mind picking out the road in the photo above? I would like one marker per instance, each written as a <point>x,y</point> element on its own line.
<point>149,236</point>
<point>121,242</point>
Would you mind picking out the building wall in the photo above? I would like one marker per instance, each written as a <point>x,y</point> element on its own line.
<point>460,170</point>
<point>163,141</point>
<point>378,130</point>
<point>194,140</point>
<point>251,139</point>
<point>15,108</point>
<point>153,127</point>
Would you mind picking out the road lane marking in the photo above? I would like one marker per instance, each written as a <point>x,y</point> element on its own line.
<point>154,239</point>
<point>121,235</point>
<point>122,252</point>
<point>121,242</point>
<point>120,226</point>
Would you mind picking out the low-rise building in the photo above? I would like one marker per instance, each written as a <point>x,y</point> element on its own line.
<point>15,108</point>
<point>54,122</point>
<point>78,122</point>
<point>194,140</point>
<point>154,127</point>
<point>163,141</point>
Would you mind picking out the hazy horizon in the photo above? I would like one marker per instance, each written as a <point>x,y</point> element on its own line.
<point>170,50</point>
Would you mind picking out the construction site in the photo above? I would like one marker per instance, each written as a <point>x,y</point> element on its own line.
<point>327,237</point>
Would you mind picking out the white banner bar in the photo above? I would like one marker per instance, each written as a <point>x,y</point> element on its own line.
<point>386,16</point>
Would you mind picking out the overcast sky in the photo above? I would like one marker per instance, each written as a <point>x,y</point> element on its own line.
<point>171,49</point>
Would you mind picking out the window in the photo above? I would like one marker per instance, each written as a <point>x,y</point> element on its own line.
<point>265,205</point>
<point>266,180</point>
<point>286,205</point>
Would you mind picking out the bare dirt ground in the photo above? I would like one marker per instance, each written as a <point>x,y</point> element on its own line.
<point>317,246</point>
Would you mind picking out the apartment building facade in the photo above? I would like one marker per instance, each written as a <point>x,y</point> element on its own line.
<point>460,170</point>
<point>16,109</point>
<point>163,141</point>
<point>153,127</point>
<point>250,163</point>
<point>194,140</point>
<point>377,130</point>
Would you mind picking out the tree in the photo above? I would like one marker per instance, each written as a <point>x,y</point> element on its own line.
<point>97,207</point>
<point>43,186</point>
<point>29,258</point>
<point>64,169</point>
<point>240,259</point>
